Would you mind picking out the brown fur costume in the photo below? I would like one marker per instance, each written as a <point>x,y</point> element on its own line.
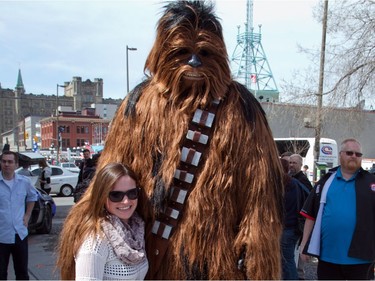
<point>236,203</point>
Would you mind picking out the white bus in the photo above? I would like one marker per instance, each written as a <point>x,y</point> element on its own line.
<point>328,153</point>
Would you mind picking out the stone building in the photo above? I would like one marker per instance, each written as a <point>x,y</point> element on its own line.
<point>16,105</point>
<point>84,93</point>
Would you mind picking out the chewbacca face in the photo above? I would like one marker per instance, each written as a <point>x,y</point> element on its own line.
<point>189,54</point>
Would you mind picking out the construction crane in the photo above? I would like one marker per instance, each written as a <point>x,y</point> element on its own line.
<point>249,62</point>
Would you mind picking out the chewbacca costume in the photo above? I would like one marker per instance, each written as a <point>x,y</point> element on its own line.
<point>205,156</point>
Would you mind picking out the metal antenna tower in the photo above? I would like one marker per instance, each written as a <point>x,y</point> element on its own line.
<point>250,63</point>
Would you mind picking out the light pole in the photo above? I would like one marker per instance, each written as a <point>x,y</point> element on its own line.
<point>57,122</point>
<point>318,125</point>
<point>127,66</point>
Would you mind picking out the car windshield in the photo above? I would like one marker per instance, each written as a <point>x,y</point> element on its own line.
<point>35,172</point>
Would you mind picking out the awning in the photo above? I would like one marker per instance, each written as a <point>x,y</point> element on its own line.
<point>32,158</point>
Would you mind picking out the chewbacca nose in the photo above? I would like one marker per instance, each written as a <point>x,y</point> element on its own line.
<point>194,61</point>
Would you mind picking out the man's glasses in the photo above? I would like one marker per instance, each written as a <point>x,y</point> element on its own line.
<point>350,153</point>
<point>118,196</point>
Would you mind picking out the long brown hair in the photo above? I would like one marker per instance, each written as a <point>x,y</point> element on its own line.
<point>84,218</point>
<point>42,163</point>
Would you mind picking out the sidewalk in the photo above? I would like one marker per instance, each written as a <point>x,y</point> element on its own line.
<point>41,259</point>
<point>42,254</point>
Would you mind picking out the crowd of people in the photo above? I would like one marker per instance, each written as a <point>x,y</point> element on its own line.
<point>337,229</point>
<point>339,215</point>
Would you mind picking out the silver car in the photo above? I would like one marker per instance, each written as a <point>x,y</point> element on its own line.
<point>70,166</point>
<point>62,183</point>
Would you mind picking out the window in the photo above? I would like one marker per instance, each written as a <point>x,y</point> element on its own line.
<point>56,171</point>
<point>66,142</point>
<point>80,142</point>
<point>66,129</point>
<point>82,130</point>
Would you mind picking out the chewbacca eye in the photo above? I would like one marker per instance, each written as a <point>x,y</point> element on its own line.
<point>182,52</point>
<point>204,53</point>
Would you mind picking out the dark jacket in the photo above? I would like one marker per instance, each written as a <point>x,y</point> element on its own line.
<point>291,204</point>
<point>363,242</point>
<point>85,164</point>
<point>303,179</point>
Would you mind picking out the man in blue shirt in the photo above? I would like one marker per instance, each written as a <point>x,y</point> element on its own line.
<point>15,190</point>
<point>340,219</point>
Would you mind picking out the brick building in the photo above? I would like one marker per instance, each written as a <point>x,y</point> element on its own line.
<point>76,130</point>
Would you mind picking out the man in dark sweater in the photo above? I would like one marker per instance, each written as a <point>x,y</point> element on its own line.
<point>86,155</point>
<point>295,165</point>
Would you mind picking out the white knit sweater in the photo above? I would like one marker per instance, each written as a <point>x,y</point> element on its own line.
<point>96,260</point>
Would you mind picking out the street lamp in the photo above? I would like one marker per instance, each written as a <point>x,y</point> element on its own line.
<point>127,66</point>
<point>58,140</point>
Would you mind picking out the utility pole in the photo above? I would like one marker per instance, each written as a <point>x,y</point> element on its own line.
<point>58,134</point>
<point>318,122</point>
<point>127,66</point>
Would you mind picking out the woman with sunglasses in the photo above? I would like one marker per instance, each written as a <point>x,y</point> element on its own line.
<point>103,235</point>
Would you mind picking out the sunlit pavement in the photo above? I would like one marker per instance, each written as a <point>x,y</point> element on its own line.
<point>42,254</point>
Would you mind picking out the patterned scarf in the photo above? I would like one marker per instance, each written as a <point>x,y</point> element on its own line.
<point>127,239</point>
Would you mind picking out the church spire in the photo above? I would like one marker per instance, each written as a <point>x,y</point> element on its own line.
<point>20,89</point>
<point>19,80</point>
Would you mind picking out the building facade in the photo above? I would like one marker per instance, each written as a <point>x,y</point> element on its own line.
<point>295,120</point>
<point>72,130</point>
<point>16,105</point>
<point>84,93</point>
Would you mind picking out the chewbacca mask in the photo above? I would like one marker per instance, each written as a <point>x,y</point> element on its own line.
<point>205,156</point>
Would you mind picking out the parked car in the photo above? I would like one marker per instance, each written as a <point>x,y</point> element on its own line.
<point>42,214</point>
<point>63,181</point>
<point>70,166</point>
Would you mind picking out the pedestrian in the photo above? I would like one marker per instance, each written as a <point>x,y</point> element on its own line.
<point>87,175</point>
<point>86,155</point>
<point>295,165</point>
<point>290,234</point>
<point>340,219</point>
<point>108,243</point>
<point>286,155</point>
<point>25,171</point>
<point>17,199</point>
<point>45,176</point>
<point>305,170</point>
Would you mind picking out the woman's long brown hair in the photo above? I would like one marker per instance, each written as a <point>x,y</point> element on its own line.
<point>84,217</point>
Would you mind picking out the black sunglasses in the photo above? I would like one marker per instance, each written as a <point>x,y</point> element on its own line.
<point>118,196</point>
<point>350,153</point>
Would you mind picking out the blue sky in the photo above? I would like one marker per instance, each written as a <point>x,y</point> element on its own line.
<point>53,41</point>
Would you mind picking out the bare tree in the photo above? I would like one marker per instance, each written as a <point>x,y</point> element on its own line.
<point>350,58</point>
<point>350,51</point>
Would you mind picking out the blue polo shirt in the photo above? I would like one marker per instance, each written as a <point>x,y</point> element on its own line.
<point>338,221</point>
<point>12,207</point>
